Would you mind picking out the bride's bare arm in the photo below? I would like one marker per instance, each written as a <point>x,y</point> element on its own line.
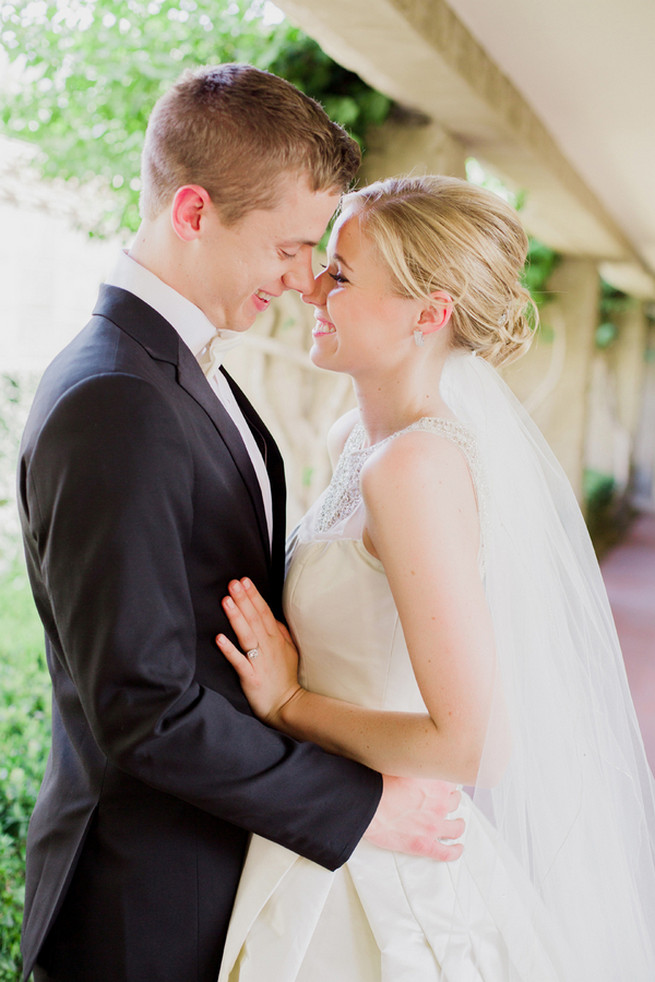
<point>422,523</point>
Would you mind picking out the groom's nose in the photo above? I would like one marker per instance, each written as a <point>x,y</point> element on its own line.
<point>300,276</point>
<point>318,290</point>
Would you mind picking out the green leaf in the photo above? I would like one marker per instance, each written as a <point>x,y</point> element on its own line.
<point>91,72</point>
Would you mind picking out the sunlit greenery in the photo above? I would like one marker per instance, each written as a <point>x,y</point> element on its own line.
<point>84,75</point>
<point>542,260</point>
<point>24,740</point>
<point>25,691</point>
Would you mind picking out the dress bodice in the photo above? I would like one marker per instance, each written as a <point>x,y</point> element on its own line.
<point>337,598</point>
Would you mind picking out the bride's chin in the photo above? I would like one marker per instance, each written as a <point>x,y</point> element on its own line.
<point>317,357</point>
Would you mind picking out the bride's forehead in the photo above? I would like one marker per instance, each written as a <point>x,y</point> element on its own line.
<point>347,234</point>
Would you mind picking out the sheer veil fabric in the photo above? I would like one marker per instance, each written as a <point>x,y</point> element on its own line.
<point>564,779</point>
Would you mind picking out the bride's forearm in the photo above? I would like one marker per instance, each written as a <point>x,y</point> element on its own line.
<point>401,744</point>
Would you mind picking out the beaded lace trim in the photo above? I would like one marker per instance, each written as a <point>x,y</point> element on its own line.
<point>343,495</point>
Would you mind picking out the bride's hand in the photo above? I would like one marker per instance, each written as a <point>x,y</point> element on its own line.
<point>269,671</point>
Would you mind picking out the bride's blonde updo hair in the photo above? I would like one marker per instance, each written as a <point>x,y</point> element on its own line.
<point>441,233</point>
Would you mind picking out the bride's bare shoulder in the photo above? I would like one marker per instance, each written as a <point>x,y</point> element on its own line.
<point>415,471</point>
<point>339,433</point>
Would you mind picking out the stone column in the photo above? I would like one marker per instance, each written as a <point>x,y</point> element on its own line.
<point>630,366</point>
<point>554,377</point>
<point>616,398</point>
<point>643,478</point>
<point>411,147</point>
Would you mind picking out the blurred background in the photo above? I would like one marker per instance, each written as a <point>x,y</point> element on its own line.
<point>549,105</point>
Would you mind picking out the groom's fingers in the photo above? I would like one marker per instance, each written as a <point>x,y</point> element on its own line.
<point>445,853</point>
<point>412,818</point>
<point>452,828</point>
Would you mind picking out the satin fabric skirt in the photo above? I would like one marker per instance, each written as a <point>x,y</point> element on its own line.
<point>387,917</point>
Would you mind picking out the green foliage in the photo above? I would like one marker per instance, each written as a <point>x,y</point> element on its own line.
<point>91,70</point>
<point>25,693</point>
<point>606,334</point>
<point>597,488</point>
<point>540,264</point>
<point>541,260</point>
<point>16,394</point>
<point>24,741</point>
<point>608,511</point>
<point>343,95</point>
<point>613,303</point>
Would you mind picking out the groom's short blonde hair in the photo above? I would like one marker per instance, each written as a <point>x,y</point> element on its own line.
<point>235,130</point>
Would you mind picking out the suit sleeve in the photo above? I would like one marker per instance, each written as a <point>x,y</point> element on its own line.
<point>109,496</point>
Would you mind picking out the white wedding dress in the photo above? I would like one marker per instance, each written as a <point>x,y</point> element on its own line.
<point>382,917</point>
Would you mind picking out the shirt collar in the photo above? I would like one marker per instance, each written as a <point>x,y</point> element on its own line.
<point>195,329</point>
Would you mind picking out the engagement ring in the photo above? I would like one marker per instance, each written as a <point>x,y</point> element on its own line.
<point>253,653</point>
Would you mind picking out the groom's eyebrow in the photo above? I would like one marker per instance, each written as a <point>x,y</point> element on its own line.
<point>300,242</point>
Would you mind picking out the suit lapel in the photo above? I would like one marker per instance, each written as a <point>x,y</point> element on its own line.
<point>193,381</point>
<point>163,343</point>
<point>275,468</point>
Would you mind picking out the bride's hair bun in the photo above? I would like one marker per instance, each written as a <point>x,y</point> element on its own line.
<point>442,233</point>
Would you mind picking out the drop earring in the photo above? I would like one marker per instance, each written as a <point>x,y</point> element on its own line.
<point>419,340</point>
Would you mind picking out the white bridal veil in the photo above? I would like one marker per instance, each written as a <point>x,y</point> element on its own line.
<point>574,808</point>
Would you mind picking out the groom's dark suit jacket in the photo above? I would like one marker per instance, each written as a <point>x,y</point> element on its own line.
<point>139,503</point>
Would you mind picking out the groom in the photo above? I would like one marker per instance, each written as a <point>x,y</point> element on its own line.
<point>144,486</point>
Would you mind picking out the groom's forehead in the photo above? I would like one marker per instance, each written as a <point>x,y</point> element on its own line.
<point>297,216</point>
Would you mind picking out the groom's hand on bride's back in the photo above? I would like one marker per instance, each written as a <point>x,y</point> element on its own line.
<point>412,817</point>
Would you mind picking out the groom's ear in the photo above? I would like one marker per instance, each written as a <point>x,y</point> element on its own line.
<point>189,204</point>
<point>436,314</point>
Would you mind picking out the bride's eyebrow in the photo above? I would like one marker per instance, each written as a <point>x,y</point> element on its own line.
<point>341,260</point>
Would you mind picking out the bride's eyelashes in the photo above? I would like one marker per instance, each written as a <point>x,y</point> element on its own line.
<point>337,277</point>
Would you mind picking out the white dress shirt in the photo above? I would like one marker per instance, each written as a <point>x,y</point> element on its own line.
<point>197,332</point>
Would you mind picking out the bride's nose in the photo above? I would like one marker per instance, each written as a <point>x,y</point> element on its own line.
<point>319,290</point>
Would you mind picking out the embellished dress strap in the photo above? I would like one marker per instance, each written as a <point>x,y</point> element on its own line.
<point>343,495</point>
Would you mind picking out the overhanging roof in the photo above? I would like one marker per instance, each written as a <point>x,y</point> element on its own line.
<point>557,98</point>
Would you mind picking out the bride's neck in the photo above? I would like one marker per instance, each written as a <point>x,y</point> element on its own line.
<point>387,405</point>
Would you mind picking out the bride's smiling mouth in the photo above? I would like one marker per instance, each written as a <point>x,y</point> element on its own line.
<point>321,328</point>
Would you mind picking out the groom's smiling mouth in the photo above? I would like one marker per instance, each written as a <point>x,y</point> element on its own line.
<point>262,299</point>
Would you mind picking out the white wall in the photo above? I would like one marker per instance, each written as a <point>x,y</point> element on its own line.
<point>49,277</point>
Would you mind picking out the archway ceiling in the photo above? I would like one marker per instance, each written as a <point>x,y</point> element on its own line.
<point>558,98</point>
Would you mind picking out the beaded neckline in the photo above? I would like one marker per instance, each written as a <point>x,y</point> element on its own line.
<point>343,495</point>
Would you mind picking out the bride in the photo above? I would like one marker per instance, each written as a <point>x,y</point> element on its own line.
<point>452,624</point>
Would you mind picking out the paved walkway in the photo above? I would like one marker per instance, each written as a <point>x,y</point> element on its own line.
<point>629,574</point>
